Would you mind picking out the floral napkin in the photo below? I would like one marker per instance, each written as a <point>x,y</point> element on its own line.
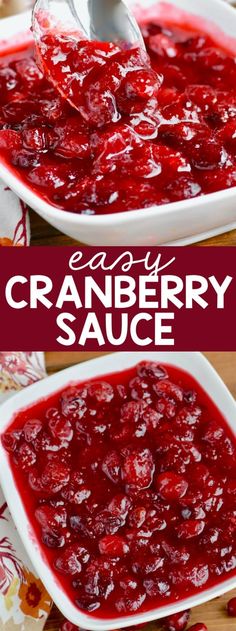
<point>14,220</point>
<point>24,602</point>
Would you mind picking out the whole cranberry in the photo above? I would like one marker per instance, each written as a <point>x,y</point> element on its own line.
<point>71,559</point>
<point>31,429</point>
<point>171,486</point>
<point>231,608</point>
<point>168,390</point>
<point>113,546</point>
<point>138,468</point>
<point>111,466</point>
<point>101,392</point>
<point>26,456</point>
<point>10,440</point>
<point>177,622</point>
<point>190,528</point>
<point>151,370</point>
<point>50,517</point>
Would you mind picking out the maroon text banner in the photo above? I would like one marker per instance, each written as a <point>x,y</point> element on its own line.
<point>117,299</point>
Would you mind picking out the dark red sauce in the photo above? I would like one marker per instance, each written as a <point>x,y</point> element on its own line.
<point>129,483</point>
<point>143,129</point>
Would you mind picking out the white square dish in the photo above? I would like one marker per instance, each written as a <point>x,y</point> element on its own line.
<point>179,223</point>
<point>202,371</point>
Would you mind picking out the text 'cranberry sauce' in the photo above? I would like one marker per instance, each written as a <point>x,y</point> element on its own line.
<point>129,483</point>
<point>144,129</point>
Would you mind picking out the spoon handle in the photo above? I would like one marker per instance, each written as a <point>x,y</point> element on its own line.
<point>111,20</point>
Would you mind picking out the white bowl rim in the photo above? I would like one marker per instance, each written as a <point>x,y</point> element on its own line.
<point>91,369</point>
<point>34,200</point>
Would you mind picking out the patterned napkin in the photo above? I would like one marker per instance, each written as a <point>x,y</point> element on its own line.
<point>14,220</point>
<point>24,602</point>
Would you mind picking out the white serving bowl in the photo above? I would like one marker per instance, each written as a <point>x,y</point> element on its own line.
<point>202,371</point>
<point>181,222</point>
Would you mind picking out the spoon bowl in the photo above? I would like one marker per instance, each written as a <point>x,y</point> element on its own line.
<point>98,20</point>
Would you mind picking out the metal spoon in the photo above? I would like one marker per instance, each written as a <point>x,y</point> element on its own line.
<point>100,20</point>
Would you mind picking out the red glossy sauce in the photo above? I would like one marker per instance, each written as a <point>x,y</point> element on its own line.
<point>138,134</point>
<point>129,483</point>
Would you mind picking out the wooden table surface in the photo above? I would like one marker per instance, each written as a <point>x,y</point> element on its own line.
<point>213,614</point>
<point>44,234</point>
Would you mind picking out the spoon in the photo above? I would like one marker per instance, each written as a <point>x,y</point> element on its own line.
<point>99,20</point>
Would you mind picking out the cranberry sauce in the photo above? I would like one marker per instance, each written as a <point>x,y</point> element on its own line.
<point>143,129</point>
<point>129,483</point>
